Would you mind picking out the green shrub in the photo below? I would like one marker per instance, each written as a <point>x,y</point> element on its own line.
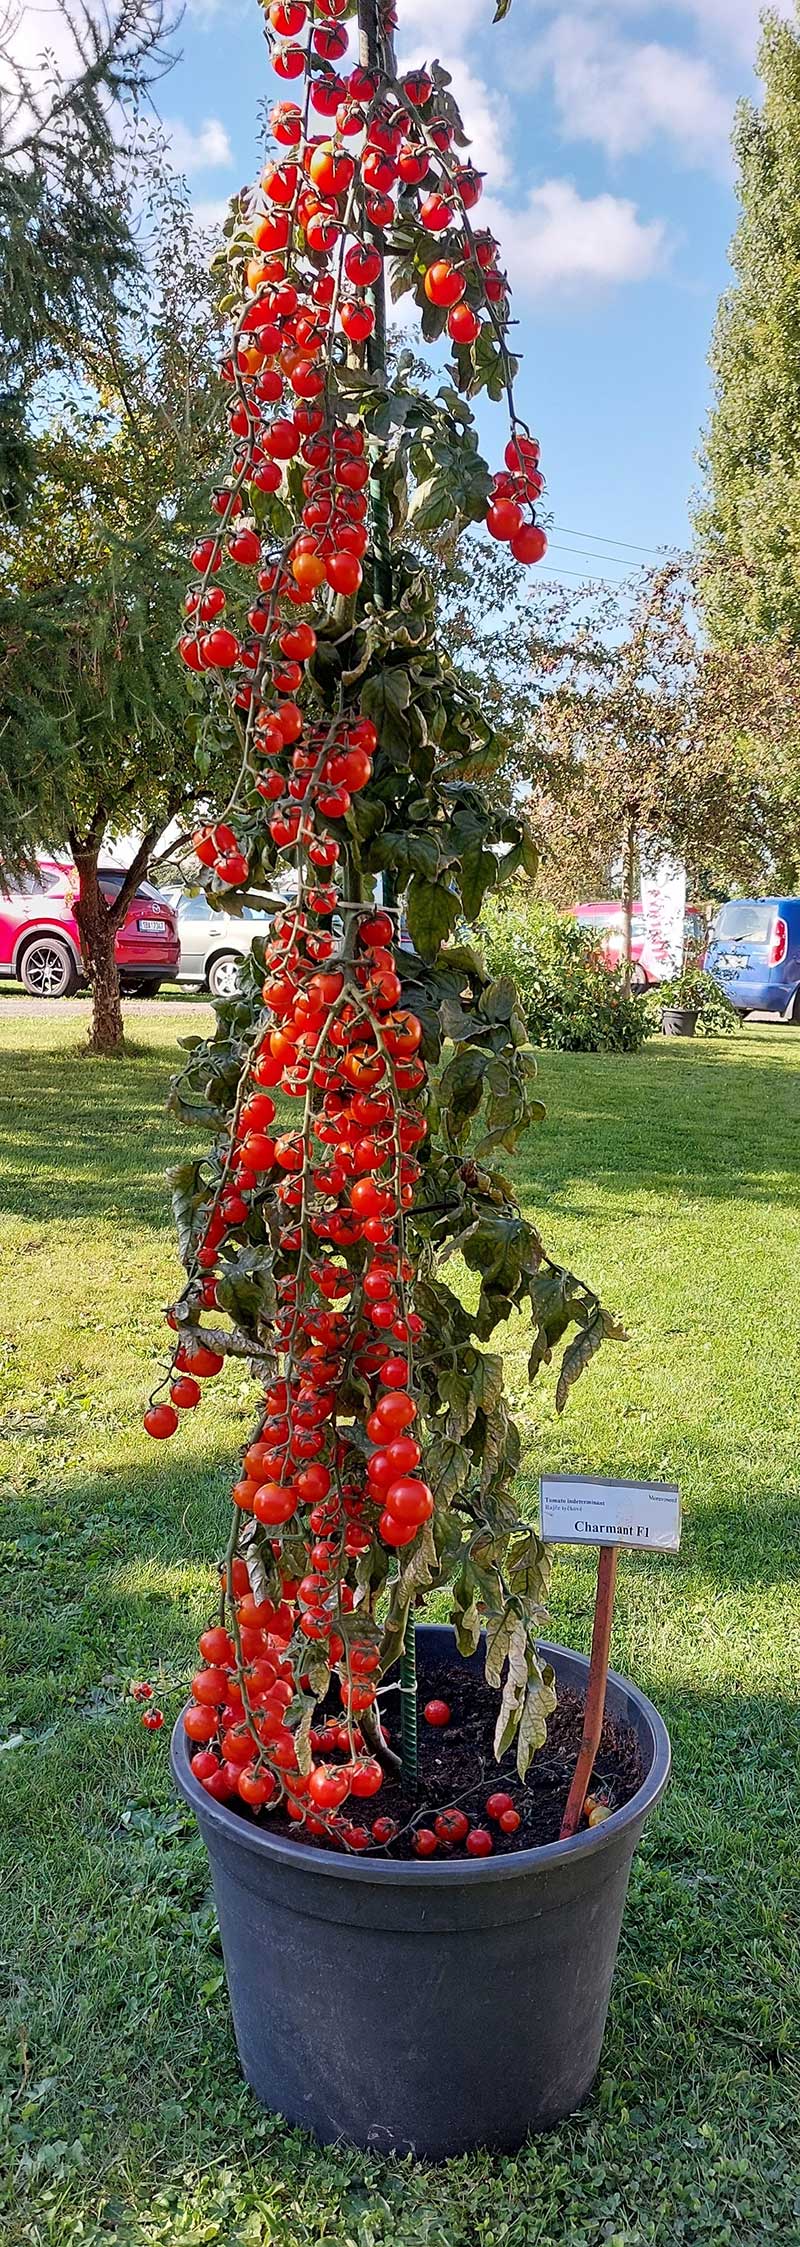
<point>571,1001</point>
<point>700,995</point>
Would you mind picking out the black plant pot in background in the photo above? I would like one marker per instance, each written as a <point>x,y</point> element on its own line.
<point>678,1021</point>
<point>425,2007</point>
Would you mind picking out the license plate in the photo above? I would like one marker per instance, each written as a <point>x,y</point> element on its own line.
<point>730,961</point>
<point>152,928</point>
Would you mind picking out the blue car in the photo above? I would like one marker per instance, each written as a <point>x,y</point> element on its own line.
<point>754,955</point>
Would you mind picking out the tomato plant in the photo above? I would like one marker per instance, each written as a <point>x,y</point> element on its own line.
<point>383,1458</point>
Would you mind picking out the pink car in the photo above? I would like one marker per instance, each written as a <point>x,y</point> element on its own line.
<point>604,921</point>
<point>39,941</point>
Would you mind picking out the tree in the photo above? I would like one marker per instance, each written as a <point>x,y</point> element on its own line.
<point>65,242</point>
<point>623,762</point>
<point>750,716</point>
<point>95,717</point>
<point>747,518</point>
<point>384,1458</point>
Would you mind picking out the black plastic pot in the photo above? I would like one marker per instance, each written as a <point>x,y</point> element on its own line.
<point>425,2007</point>
<point>678,1021</point>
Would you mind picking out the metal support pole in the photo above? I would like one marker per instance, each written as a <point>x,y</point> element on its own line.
<point>375,52</point>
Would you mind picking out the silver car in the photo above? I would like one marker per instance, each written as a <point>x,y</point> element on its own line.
<point>214,943</point>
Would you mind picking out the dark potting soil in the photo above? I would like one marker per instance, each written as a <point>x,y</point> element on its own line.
<point>457,1768</point>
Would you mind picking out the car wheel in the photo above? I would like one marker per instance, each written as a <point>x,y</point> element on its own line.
<point>144,990</point>
<point>47,970</point>
<point>223,976</point>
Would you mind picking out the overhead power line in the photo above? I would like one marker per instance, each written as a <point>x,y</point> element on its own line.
<point>590,577</point>
<point>599,538</point>
<point>553,548</point>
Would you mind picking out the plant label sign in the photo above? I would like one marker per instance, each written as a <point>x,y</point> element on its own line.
<point>585,1510</point>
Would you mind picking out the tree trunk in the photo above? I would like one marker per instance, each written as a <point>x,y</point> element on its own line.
<point>628,872</point>
<point>97,927</point>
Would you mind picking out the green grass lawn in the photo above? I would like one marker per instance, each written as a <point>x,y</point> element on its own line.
<point>670,1180</point>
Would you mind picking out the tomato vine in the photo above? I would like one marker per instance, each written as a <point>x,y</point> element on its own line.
<point>383,1461</point>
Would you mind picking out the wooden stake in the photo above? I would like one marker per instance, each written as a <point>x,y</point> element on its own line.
<point>594,1710</point>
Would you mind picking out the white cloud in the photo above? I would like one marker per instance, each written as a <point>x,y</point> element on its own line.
<point>734,22</point>
<point>34,32</point>
<point>40,43</point>
<point>206,12</point>
<point>210,212</point>
<point>622,95</point>
<point>731,24</point>
<point>439,26</point>
<point>563,241</point>
<point>206,150</point>
<point>731,21</point>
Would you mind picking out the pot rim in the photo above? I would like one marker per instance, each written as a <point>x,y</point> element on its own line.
<point>280,1849</point>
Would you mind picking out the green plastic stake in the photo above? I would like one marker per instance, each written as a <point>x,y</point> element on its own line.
<point>408,1701</point>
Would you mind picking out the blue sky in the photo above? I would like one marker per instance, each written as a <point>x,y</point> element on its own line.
<point>603,128</point>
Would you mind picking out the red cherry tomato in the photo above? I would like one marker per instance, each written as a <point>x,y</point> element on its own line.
<point>257,1787</point>
<point>452,1826</point>
<point>328,1787</point>
<point>204,1765</point>
<point>200,1724</point>
<point>210,1686</point>
<point>366,1778</point>
<point>437,1712</point>
<point>498,1804</point>
<point>409,1500</point>
<point>161,1420</point>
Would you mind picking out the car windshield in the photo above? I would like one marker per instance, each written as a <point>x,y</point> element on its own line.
<point>46,878</point>
<point>608,920</point>
<point>193,908</point>
<point>745,921</point>
<point>111,879</point>
<point>199,909</point>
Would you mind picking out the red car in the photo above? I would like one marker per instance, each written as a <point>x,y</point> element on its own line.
<point>604,920</point>
<point>40,944</point>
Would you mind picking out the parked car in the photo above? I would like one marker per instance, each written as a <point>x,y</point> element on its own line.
<point>40,943</point>
<point>213,943</point>
<point>604,920</point>
<point>754,955</point>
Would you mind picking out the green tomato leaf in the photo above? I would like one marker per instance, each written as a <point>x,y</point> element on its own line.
<point>431,911</point>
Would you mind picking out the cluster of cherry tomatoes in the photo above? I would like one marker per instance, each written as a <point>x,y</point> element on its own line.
<point>453,1829</point>
<point>250,1751</point>
<point>513,490</point>
<point>335,1467</point>
<point>320,228</point>
<point>335,1038</point>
